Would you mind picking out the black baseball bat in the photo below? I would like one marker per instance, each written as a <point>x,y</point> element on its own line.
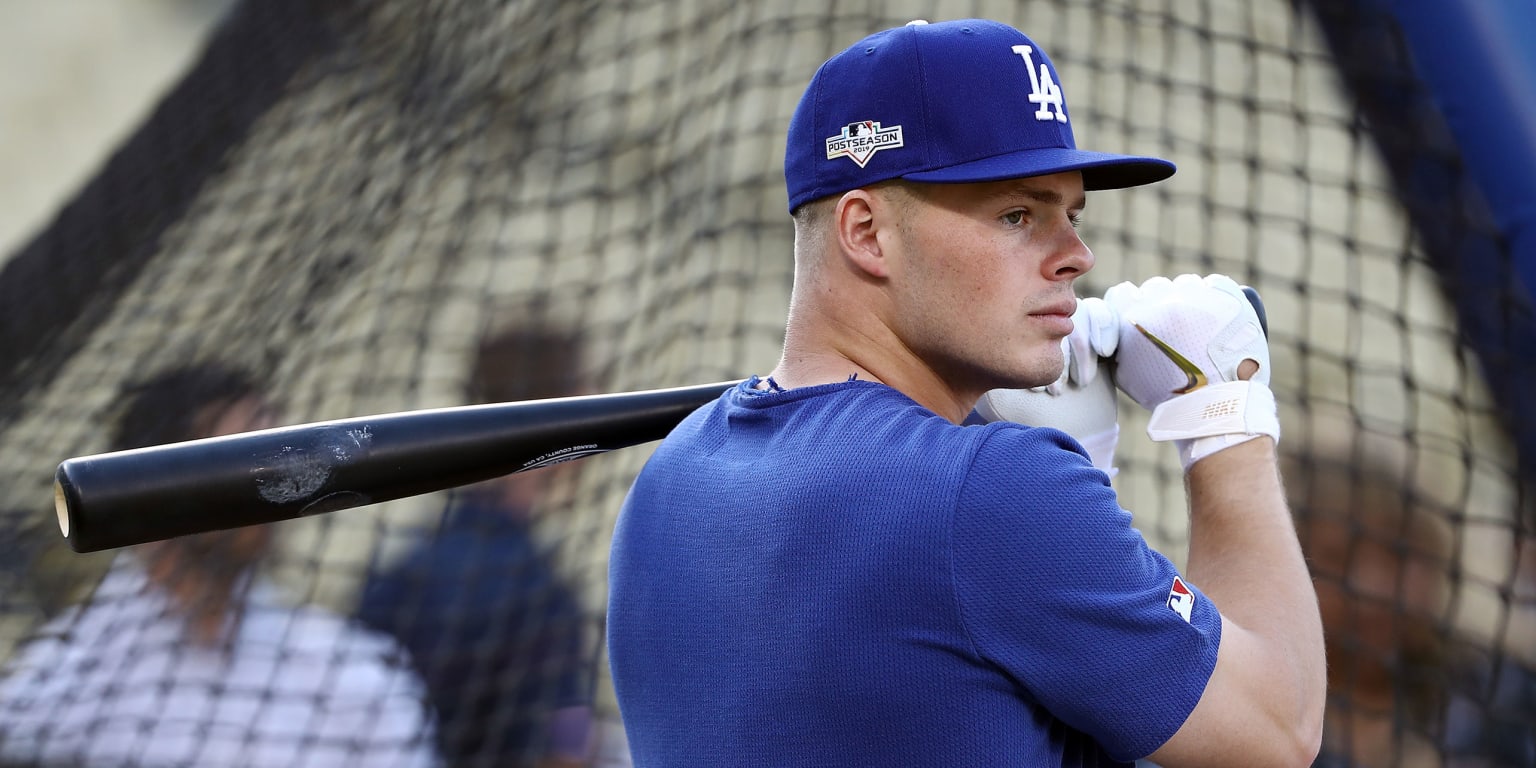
<point>150,494</point>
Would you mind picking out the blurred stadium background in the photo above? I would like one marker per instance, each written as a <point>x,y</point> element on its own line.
<point>350,196</point>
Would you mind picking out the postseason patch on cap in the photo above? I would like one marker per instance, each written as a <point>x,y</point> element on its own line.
<point>1181,600</point>
<point>860,141</point>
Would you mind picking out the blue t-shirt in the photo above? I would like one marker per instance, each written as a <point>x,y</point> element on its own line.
<point>837,576</point>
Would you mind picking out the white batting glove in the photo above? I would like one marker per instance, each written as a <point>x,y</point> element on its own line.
<point>1082,402</point>
<point>1181,342</point>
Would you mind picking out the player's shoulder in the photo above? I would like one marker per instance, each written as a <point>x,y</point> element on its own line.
<point>1043,464</point>
<point>761,405</point>
<point>1003,440</point>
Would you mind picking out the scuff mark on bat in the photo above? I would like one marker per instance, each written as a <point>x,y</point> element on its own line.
<point>333,502</point>
<point>294,473</point>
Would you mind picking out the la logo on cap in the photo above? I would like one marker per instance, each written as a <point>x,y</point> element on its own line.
<point>1043,90</point>
<point>860,141</point>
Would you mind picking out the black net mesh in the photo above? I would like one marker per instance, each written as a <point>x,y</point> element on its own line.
<point>360,203</point>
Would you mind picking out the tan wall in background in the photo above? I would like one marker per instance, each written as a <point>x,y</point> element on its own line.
<point>76,77</point>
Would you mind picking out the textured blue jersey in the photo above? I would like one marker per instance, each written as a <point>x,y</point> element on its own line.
<point>836,576</point>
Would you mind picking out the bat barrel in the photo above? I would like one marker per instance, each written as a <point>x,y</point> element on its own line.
<point>151,494</point>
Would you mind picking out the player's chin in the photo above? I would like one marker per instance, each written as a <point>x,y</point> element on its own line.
<point>1045,363</point>
<point>1033,373</point>
<point>1014,364</point>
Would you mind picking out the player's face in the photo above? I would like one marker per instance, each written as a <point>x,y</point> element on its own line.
<point>986,295</point>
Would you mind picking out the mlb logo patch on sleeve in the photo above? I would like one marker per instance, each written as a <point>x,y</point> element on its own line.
<point>1181,599</point>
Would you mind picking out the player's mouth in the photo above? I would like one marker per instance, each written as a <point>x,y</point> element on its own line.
<point>1056,317</point>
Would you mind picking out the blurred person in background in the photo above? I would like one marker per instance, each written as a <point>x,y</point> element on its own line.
<point>495,631</point>
<point>1490,721</point>
<point>186,655</point>
<point>1380,562</point>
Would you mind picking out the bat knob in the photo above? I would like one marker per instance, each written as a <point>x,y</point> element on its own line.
<point>61,506</point>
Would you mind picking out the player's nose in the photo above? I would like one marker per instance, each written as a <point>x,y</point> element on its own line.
<point>1070,256</point>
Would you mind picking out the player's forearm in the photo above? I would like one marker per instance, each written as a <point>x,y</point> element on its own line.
<point>1244,555</point>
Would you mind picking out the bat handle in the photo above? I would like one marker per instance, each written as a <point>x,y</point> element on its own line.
<point>1258,306</point>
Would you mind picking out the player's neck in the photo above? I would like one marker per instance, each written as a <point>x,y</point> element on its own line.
<point>811,359</point>
<point>809,370</point>
<point>840,327</point>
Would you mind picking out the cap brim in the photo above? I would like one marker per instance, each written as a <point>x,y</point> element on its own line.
<point>1100,170</point>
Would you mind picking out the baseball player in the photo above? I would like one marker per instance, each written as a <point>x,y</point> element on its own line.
<point>834,565</point>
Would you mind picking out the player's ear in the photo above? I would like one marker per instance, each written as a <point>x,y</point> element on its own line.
<point>857,219</point>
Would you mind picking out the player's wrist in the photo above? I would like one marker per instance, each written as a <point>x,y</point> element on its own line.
<point>1214,418</point>
<point>1192,451</point>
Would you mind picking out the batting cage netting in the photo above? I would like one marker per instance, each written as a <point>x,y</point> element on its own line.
<point>347,208</point>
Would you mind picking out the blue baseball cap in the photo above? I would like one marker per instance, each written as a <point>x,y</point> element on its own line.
<point>954,101</point>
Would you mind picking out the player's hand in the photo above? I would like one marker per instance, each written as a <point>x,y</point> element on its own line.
<point>1182,345</point>
<point>1082,401</point>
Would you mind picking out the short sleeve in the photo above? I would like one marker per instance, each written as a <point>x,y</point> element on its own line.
<point>1057,588</point>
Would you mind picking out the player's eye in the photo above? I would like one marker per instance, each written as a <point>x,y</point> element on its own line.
<point>1014,218</point>
<point>1076,219</point>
